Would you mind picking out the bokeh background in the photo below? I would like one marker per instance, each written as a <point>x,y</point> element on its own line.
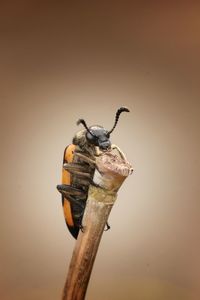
<point>62,60</point>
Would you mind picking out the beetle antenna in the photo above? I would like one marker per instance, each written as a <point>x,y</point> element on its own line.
<point>119,111</point>
<point>81,121</point>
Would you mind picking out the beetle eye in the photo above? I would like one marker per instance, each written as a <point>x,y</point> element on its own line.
<point>91,138</point>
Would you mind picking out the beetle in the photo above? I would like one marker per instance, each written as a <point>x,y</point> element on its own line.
<point>79,167</point>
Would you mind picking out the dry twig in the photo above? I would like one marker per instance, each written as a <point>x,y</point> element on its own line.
<point>110,174</point>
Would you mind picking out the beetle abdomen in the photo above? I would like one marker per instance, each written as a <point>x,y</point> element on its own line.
<point>66,179</point>
<point>76,178</point>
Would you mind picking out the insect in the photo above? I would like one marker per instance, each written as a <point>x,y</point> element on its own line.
<point>79,167</point>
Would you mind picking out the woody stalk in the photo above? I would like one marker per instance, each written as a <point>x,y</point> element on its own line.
<point>111,170</point>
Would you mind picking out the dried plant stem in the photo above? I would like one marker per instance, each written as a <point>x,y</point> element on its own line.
<point>99,203</point>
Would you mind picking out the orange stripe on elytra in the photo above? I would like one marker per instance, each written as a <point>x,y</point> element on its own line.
<point>69,153</point>
<point>66,177</point>
<point>68,213</point>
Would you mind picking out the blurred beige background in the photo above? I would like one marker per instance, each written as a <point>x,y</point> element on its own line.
<point>64,60</point>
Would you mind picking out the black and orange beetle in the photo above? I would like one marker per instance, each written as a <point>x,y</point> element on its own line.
<point>78,169</point>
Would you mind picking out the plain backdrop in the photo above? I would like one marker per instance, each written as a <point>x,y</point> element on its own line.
<point>62,60</point>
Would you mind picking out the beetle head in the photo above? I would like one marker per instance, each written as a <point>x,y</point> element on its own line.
<point>98,135</point>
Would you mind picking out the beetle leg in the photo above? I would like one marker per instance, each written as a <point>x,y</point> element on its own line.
<point>76,169</point>
<point>97,151</point>
<point>107,227</point>
<point>78,220</point>
<point>67,190</point>
<point>83,173</point>
<point>113,147</point>
<point>85,158</point>
<point>77,202</point>
<point>81,227</point>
